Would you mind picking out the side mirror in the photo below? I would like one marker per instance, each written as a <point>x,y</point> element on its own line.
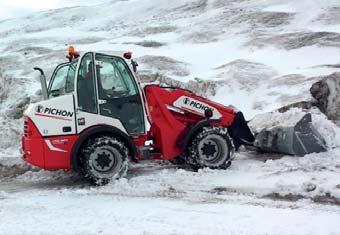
<point>134,65</point>
<point>43,82</point>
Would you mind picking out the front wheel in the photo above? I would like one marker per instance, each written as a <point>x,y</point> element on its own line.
<point>103,159</point>
<point>212,147</point>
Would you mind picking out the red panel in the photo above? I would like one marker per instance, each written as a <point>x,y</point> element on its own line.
<point>167,126</point>
<point>49,153</point>
<point>33,151</point>
<point>58,151</point>
<point>32,144</point>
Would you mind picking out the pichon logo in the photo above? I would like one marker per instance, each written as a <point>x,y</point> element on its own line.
<point>39,109</point>
<point>53,111</point>
<point>196,104</point>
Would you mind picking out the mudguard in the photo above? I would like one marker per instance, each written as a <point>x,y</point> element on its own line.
<point>101,129</point>
<point>183,143</point>
<point>299,140</point>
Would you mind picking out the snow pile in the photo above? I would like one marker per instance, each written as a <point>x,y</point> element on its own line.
<point>253,175</point>
<point>9,132</point>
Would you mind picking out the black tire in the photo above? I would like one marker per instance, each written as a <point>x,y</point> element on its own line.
<point>103,159</point>
<point>212,147</point>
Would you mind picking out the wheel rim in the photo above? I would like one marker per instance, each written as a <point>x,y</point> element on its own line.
<point>213,150</point>
<point>105,161</point>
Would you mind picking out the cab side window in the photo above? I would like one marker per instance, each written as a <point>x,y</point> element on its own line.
<point>123,71</point>
<point>113,79</point>
<point>69,86</point>
<point>86,87</point>
<point>63,80</point>
<point>110,81</point>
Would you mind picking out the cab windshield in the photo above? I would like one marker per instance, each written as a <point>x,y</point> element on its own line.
<point>62,81</point>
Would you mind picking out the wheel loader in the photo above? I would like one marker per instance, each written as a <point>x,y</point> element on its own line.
<point>96,117</point>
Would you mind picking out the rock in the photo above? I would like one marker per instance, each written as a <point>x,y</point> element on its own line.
<point>17,110</point>
<point>248,74</point>
<point>305,105</point>
<point>297,40</point>
<point>309,187</point>
<point>161,70</point>
<point>140,32</point>
<point>326,92</point>
<point>330,16</point>
<point>320,92</point>
<point>11,130</point>
<point>6,83</point>
<point>198,86</point>
<point>162,64</point>
<point>148,44</point>
<point>38,92</point>
<point>289,80</point>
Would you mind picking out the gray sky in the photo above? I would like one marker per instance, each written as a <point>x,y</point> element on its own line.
<point>17,8</point>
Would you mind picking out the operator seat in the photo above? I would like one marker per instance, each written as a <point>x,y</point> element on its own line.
<point>85,88</point>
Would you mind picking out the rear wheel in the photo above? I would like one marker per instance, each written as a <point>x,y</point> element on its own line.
<point>104,158</point>
<point>212,147</point>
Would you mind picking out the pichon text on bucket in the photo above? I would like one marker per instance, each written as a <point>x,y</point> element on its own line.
<point>196,104</point>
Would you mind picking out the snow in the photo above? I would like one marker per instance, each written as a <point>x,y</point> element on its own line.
<point>158,198</point>
<point>109,214</point>
<point>281,8</point>
<point>258,53</point>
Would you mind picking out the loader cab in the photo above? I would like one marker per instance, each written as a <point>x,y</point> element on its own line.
<point>104,89</point>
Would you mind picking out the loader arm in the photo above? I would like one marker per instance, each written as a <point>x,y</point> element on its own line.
<point>178,114</point>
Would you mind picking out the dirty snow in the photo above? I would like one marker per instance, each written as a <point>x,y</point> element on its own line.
<point>287,195</point>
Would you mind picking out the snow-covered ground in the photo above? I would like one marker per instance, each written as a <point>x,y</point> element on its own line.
<point>284,196</point>
<point>261,54</point>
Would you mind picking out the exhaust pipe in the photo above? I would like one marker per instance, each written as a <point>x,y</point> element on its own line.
<point>42,82</point>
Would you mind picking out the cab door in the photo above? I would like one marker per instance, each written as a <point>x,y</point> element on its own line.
<point>118,94</point>
<point>55,116</point>
<point>87,108</point>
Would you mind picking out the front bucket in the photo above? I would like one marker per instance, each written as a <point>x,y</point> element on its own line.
<point>299,140</point>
